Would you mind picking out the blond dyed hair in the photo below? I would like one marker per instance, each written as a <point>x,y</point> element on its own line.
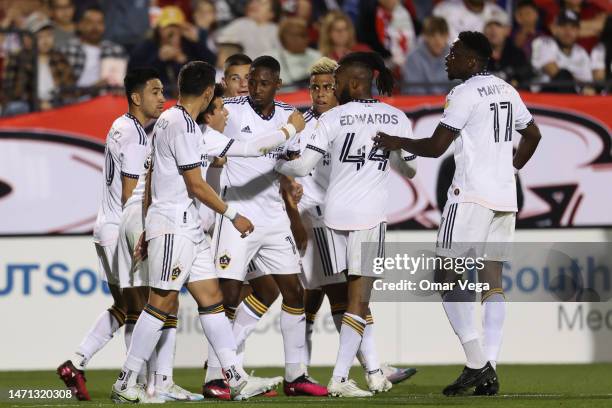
<point>323,66</point>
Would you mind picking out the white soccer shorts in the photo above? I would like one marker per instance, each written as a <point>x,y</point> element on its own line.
<point>107,263</point>
<point>318,260</point>
<point>470,229</point>
<point>271,248</point>
<point>174,260</point>
<point>131,274</point>
<point>347,247</point>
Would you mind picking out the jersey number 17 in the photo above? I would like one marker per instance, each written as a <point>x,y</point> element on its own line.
<point>495,108</point>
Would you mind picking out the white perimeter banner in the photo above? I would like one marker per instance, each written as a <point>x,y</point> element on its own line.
<point>50,295</point>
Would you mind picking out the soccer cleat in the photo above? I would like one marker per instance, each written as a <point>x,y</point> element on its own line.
<point>395,374</point>
<point>251,387</point>
<point>470,377</point>
<point>346,388</point>
<point>490,387</point>
<point>177,393</point>
<point>217,389</point>
<point>135,394</point>
<point>304,385</point>
<point>377,382</point>
<point>74,380</point>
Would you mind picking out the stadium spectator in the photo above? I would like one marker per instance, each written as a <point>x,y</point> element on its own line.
<point>507,61</point>
<point>127,22</point>
<point>527,27</point>
<point>601,55</point>
<point>62,14</point>
<point>204,18</point>
<point>337,36</point>
<point>15,15</point>
<point>465,15</point>
<point>425,68</point>
<point>386,26</point>
<point>34,80</point>
<point>294,55</point>
<point>96,63</point>
<point>257,32</point>
<point>561,58</point>
<point>174,43</point>
<point>591,15</point>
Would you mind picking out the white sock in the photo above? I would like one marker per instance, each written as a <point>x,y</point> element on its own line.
<point>310,321</point>
<point>218,331</point>
<point>149,372</point>
<point>461,317</point>
<point>102,331</point>
<point>367,354</point>
<point>493,325</point>
<point>293,329</point>
<point>144,338</point>
<point>247,315</point>
<point>164,352</point>
<point>213,371</point>
<point>350,338</point>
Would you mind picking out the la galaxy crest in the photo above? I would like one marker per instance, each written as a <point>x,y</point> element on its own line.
<point>224,260</point>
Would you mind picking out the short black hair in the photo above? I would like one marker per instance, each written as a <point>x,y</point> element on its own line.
<point>195,77</point>
<point>526,3</point>
<point>478,43</point>
<point>235,60</point>
<point>218,93</point>
<point>373,62</point>
<point>94,7</point>
<point>266,61</point>
<point>136,79</point>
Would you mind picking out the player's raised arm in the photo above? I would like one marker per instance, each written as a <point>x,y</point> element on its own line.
<point>261,144</point>
<point>433,146</point>
<point>530,137</point>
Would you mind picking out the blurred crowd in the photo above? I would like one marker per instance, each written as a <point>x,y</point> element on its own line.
<point>54,52</point>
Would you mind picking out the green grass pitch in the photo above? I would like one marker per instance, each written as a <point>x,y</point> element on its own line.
<point>529,386</point>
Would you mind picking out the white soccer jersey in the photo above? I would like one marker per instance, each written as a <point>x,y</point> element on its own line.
<point>250,184</point>
<point>125,154</point>
<point>314,184</point>
<point>485,111</point>
<point>176,147</point>
<point>356,198</point>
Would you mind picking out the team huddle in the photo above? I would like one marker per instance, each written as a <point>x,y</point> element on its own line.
<point>233,187</point>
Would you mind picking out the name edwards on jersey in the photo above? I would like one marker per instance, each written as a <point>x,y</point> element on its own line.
<point>369,119</point>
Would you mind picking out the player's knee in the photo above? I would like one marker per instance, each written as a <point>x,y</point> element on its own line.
<point>267,296</point>
<point>230,291</point>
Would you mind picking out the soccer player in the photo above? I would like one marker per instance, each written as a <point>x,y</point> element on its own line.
<point>236,71</point>
<point>174,239</point>
<point>481,116</point>
<point>318,275</point>
<point>125,154</point>
<point>356,197</point>
<point>251,185</point>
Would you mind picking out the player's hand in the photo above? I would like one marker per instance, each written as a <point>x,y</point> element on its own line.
<point>297,120</point>
<point>387,142</point>
<point>243,225</point>
<point>293,188</point>
<point>140,251</point>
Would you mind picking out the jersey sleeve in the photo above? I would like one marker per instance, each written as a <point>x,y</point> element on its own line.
<point>321,136</point>
<point>217,144</point>
<point>522,116</point>
<point>185,148</point>
<point>132,158</point>
<point>457,109</point>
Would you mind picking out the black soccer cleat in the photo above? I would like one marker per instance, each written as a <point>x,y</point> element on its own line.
<point>489,388</point>
<point>469,378</point>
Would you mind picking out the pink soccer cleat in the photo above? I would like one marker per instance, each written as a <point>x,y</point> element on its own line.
<point>217,389</point>
<point>304,385</point>
<point>74,380</point>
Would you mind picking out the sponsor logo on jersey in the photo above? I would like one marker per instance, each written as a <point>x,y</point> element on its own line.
<point>246,129</point>
<point>224,260</point>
